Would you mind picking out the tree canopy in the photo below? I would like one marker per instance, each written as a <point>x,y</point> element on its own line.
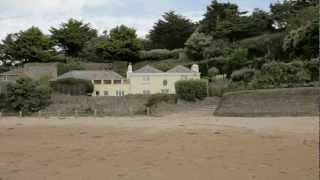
<point>30,45</point>
<point>72,36</point>
<point>171,32</point>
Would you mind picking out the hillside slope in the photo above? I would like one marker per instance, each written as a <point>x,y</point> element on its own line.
<point>276,102</point>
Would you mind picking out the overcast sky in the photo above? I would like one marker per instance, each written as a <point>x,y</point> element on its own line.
<point>16,15</point>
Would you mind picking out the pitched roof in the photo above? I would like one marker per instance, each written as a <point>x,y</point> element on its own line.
<point>180,69</point>
<point>148,69</point>
<point>92,75</point>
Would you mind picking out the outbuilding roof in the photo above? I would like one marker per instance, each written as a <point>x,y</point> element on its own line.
<point>180,69</point>
<point>92,75</point>
<point>148,69</point>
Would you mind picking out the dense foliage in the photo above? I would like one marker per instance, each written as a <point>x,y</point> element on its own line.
<point>280,46</point>
<point>191,90</point>
<point>27,95</point>
<point>30,45</point>
<point>171,32</point>
<point>73,86</point>
<point>121,44</point>
<point>72,36</point>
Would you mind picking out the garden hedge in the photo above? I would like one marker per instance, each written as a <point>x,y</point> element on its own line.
<point>192,90</point>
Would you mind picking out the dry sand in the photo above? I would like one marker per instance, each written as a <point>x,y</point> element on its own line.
<point>176,147</point>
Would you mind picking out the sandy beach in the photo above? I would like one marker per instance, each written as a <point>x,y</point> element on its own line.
<point>180,146</point>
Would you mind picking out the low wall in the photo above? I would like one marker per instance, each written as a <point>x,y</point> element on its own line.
<point>128,105</point>
<point>276,102</point>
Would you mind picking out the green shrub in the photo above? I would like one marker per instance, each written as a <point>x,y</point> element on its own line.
<point>73,86</point>
<point>313,67</point>
<point>276,74</point>
<point>27,95</point>
<point>155,54</point>
<point>70,66</point>
<point>175,53</point>
<point>213,71</point>
<point>218,87</point>
<point>155,99</point>
<point>191,90</point>
<point>3,101</point>
<point>244,75</point>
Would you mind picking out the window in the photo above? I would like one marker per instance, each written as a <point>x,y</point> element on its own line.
<point>107,81</point>
<point>116,81</point>
<point>97,81</point>
<point>146,92</point>
<point>146,78</point>
<point>165,91</point>
<point>106,93</point>
<point>97,93</point>
<point>127,81</point>
<point>165,82</point>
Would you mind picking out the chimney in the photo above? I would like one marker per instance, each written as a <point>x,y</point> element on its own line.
<point>129,70</point>
<point>195,68</point>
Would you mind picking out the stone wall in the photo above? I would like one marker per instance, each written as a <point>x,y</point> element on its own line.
<point>127,105</point>
<point>276,102</point>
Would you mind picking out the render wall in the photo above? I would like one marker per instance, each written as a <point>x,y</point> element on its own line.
<point>155,83</point>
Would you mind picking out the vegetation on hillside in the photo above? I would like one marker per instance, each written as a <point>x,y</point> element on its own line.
<point>249,48</point>
<point>26,95</point>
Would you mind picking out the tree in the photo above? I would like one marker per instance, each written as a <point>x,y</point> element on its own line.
<point>237,60</point>
<point>171,32</point>
<point>72,36</point>
<point>121,43</point>
<point>282,11</point>
<point>303,33</point>
<point>30,45</point>
<point>94,50</point>
<point>125,43</point>
<point>217,12</point>
<point>27,95</point>
<point>196,45</point>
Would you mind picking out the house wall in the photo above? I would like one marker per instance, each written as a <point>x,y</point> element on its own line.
<point>140,83</point>
<point>112,89</point>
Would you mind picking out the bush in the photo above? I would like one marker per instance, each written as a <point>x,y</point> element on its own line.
<point>196,45</point>
<point>3,101</point>
<point>156,54</point>
<point>244,75</point>
<point>313,67</point>
<point>218,87</point>
<point>27,95</point>
<point>70,66</point>
<point>276,74</point>
<point>213,71</point>
<point>73,86</point>
<point>155,99</point>
<point>191,90</point>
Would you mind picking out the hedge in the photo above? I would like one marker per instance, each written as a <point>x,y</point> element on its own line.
<point>243,75</point>
<point>73,86</point>
<point>160,54</point>
<point>191,90</point>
